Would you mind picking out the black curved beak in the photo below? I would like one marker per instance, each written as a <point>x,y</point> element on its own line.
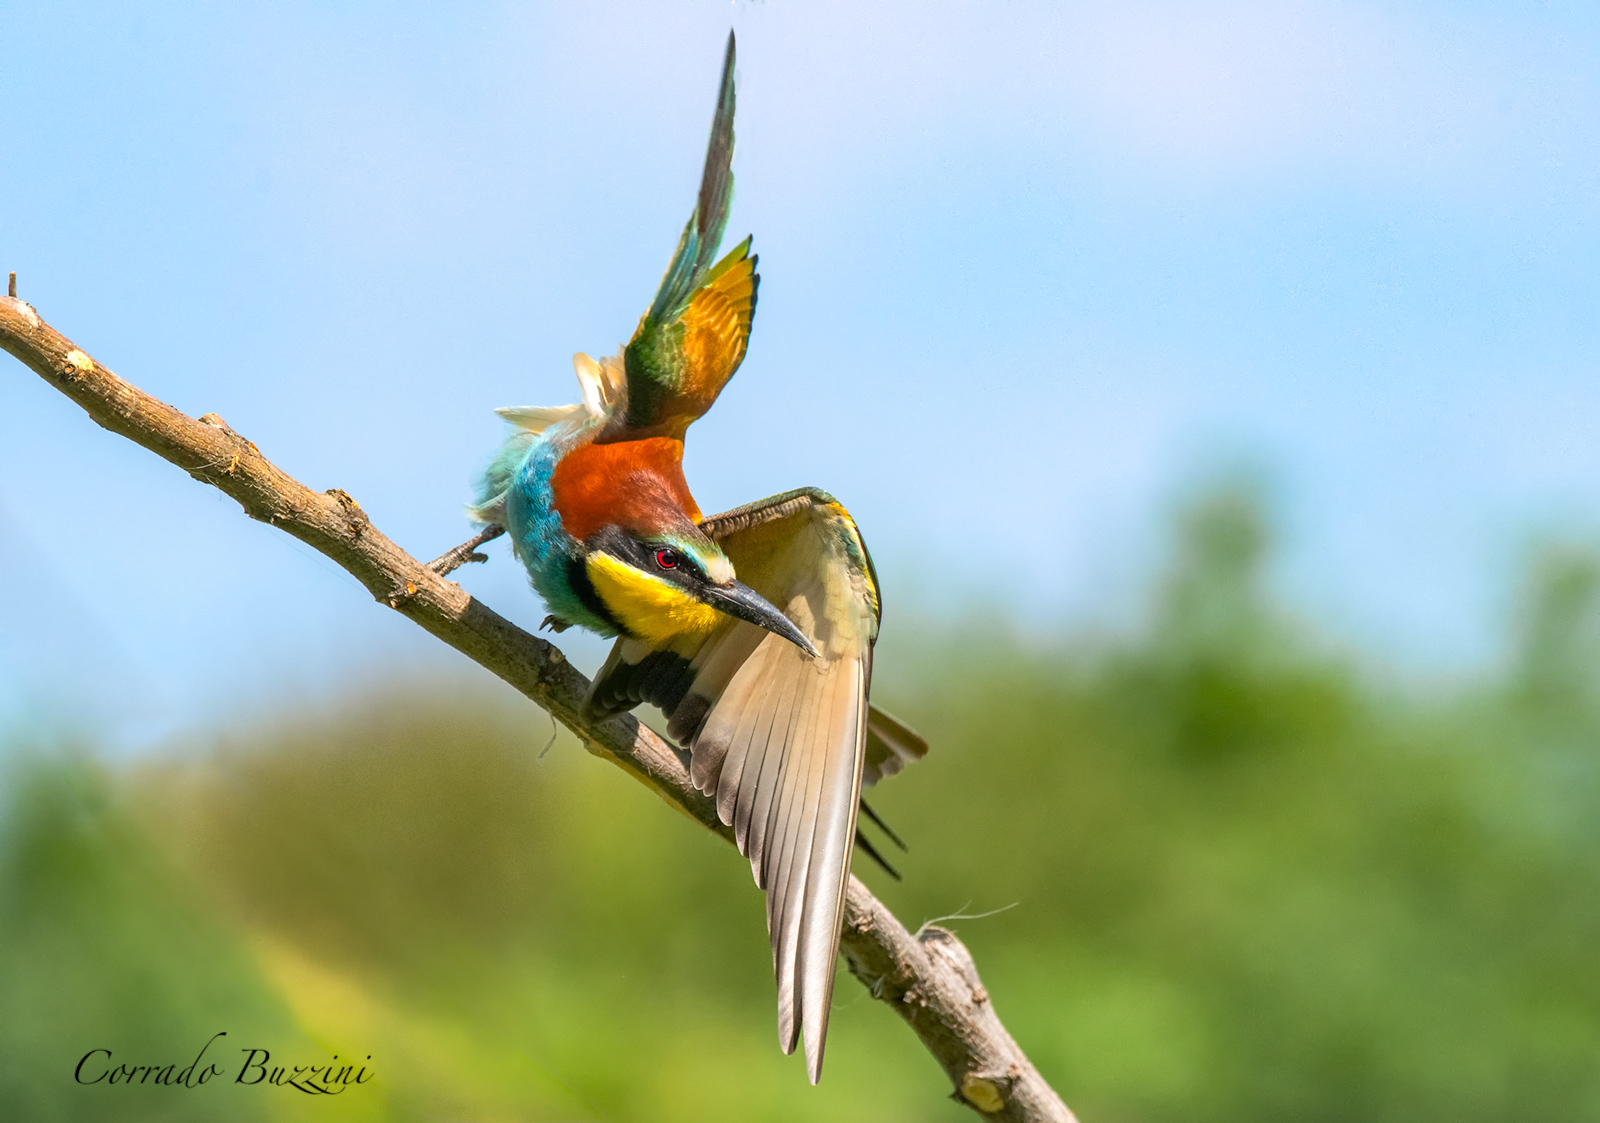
<point>738,599</point>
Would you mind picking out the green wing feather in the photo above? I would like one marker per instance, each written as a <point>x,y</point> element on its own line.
<point>703,234</point>
<point>693,337</point>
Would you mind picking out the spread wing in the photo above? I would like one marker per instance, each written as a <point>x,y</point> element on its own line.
<point>781,738</point>
<point>695,333</point>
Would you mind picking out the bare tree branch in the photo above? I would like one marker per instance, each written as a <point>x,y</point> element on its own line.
<point>929,979</point>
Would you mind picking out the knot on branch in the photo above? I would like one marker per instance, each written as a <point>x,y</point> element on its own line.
<point>76,366</point>
<point>943,947</point>
<point>230,464</point>
<point>399,595</point>
<point>216,422</point>
<point>986,1092</point>
<point>355,518</point>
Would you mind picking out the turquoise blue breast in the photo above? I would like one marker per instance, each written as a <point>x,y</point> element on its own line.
<point>541,543</point>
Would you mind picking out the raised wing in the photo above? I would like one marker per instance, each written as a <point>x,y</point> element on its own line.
<point>695,333</point>
<point>781,738</point>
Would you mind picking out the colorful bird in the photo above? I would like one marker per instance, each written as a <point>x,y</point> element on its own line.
<point>751,630</point>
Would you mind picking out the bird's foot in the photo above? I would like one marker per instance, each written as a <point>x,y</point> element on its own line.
<point>452,560</point>
<point>555,624</point>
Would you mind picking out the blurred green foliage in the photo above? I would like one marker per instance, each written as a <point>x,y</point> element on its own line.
<point>1251,879</point>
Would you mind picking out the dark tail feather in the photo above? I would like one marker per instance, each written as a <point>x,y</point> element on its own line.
<point>716,182</point>
<point>882,826</point>
<point>871,852</point>
<point>703,236</point>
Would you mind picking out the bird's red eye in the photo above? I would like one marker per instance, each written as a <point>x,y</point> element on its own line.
<point>667,559</point>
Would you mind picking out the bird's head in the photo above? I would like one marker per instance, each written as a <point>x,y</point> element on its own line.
<point>654,570</point>
<point>671,582</point>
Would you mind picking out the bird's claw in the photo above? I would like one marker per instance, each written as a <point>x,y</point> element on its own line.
<point>453,559</point>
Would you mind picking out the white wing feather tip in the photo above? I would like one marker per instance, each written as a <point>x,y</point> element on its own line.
<point>588,372</point>
<point>603,383</point>
<point>536,419</point>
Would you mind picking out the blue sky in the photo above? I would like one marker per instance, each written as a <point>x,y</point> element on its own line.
<point>1029,272</point>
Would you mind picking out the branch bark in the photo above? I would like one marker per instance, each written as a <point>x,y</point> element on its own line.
<point>929,979</point>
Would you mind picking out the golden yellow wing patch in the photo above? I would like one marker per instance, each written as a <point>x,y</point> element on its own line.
<point>717,328</point>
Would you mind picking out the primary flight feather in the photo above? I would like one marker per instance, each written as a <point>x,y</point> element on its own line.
<point>751,630</point>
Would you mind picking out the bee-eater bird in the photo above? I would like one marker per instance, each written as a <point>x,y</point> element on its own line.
<point>751,630</point>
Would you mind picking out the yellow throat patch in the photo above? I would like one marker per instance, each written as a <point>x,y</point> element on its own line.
<point>656,611</point>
